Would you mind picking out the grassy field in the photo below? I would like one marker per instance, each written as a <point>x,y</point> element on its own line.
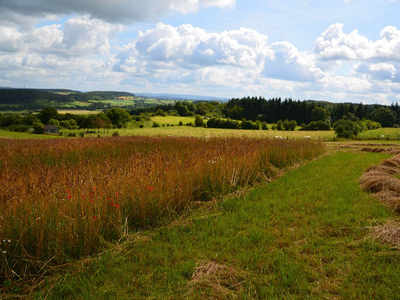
<point>381,134</point>
<point>209,132</point>
<point>133,101</point>
<point>372,136</point>
<point>172,120</point>
<point>77,111</point>
<point>302,236</point>
<point>25,135</point>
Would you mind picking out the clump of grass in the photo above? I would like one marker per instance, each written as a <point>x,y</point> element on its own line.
<point>61,199</point>
<point>388,233</point>
<point>217,281</point>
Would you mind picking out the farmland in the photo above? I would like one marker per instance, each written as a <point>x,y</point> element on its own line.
<point>80,192</point>
<point>168,205</point>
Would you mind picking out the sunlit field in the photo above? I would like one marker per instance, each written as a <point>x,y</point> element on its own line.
<point>173,120</point>
<point>77,111</point>
<point>381,134</point>
<point>61,199</point>
<point>208,132</point>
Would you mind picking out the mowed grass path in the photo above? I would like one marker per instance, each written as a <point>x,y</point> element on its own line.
<point>303,235</point>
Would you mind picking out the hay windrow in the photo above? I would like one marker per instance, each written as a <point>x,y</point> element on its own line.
<point>390,150</point>
<point>388,233</point>
<point>380,181</point>
<point>218,281</point>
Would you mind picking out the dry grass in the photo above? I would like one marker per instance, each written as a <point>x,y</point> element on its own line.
<point>216,281</point>
<point>64,199</point>
<point>388,233</point>
<point>380,181</point>
<point>390,150</point>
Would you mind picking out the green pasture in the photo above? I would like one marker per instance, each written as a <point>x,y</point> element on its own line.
<point>132,101</point>
<point>77,111</point>
<point>206,132</point>
<point>173,120</point>
<point>381,134</point>
<point>25,135</point>
<point>302,236</point>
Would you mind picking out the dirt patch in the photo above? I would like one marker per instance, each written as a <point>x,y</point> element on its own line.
<point>217,281</point>
<point>388,233</point>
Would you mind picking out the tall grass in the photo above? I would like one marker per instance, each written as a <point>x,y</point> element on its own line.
<point>61,199</point>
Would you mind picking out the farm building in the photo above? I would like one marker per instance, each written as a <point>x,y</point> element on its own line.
<point>51,129</point>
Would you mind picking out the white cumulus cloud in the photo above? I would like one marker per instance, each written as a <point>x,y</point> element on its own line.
<point>334,44</point>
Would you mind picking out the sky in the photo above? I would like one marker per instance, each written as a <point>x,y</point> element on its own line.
<point>331,50</point>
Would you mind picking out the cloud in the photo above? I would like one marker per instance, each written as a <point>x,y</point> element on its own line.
<point>115,11</point>
<point>334,44</point>
<point>81,36</point>
<point>189,48</point>
<point>291,64</point>
<point>377,71</point>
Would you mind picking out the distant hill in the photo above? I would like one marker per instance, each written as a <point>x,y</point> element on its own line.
<point>181,97</point>
<point>28,96</point>
<point>37,98</point>
<point>99,95</point>
<point>65,91</point>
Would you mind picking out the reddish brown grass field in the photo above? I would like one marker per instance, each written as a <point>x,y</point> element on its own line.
<point>62,199</point>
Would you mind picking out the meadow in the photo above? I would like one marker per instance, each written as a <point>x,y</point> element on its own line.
<point>64,199</point>
<point>304,235</point>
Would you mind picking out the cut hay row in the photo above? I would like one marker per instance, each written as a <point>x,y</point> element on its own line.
<point>380,180</point>
<point>388,233</point>
<point>61,199</point>
<point>389,150</point>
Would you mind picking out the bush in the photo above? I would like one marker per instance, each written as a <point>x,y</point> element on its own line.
<point>65,124</point>
<point>319,125</point>
<point>264,126</point>
<point>372,124</point>
<point>346,129</point>
<point>19,128</point>
<point>247,124</point>
<point>54,122</point>
<point>160,112</point>
<point>221,123</point>
<point>180,123</point>
<point>115,134</point>
<point>279,125</point>
<point>38,128</point>
<point>82,134</point>
<point>289,125</point>
<point>199,122</point>
<point>155,124</point>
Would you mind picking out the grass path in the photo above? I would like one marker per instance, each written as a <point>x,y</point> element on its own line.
<point>300,236</point>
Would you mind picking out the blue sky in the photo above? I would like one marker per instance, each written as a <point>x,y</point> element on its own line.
<point>343,50</point>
